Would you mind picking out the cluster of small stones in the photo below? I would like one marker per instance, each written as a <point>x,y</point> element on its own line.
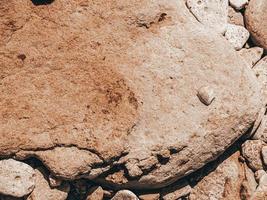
<point>239,175</point>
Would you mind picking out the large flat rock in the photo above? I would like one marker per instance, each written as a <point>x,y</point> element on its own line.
<point>116,84</point>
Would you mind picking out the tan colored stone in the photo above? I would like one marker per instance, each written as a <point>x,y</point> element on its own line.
<point>212,14</point>
<point>124,195</point>
<point>177,191</point>
<point>256,21</point>
<point>224,183</point>
<point>236,35</point>
<point>249,184</point>
<point>16,178</point>
<point>95,193</point>
<point>206,95</point>
<point>43,191</point>
<point>235,17</point>
<point>264,155</point>
<point>251,55</point>
<point>251,151</point>
<point>260,70</point>
<point>261,191</point>
<point>112,82</point>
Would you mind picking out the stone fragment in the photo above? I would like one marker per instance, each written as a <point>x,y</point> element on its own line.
<point>43,191</point>
<point>235,17</point>
<point>261,191</point>
<point>225,182</point>
<point>212,14</point>
<point>238,4</point>
<point>236,35</point>
<point>251,55</point>
<point>95,193</point>
<point>261,132</point>
<point>149,196</point>
<point>251,151</point>
<point>260,69</point>
<point>54,181</point>
<point>57,158</point>
<point>206,95</point>
<point>124,195</point>
<point>110,81</point>
<point>264,155</point>
<point>256,21</point>
<point>16,178</point>
<point>175,192</point>
<point>258,174</point>
<point>249,183</point>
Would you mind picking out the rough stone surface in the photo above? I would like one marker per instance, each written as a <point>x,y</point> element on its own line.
<point>224,183</point>
<point>261,191</point>
<point>43,191</point>
<point>235,17</point>
<point>261,132</point>
<point>212,13</point>
<point>249,184</point>
<point>176,192</point>
<point>251,55</point>
<point>16,178</point>
<point>124,195</point>
<point>96,193</point>
<point>114,83</point>
<point>238,4</point>
<point>206,95</point>
<point>236,35</point>
<point>256,21</point>
<point>251,150</point>
<point>264,154</point>
<point>260,70</point>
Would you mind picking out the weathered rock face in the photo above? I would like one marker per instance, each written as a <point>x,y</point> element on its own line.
<point>223,183</point>
<point>114,83</point>
<point>256,21</point>
<point>43,191</point>
<point>16,178</point>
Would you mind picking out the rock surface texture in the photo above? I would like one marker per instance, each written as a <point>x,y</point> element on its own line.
<point>93,101</point>
<point>129,99</point>
<point>16,178</point>
<point>256,21</point>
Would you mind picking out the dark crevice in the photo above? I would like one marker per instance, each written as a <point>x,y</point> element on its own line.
<point>42,2</point>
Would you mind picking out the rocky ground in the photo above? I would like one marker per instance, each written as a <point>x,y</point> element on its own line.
<point>133,99</point>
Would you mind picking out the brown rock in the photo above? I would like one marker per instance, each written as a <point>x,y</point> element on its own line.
<point>99,79</point>
<point>224,183</point>
<point>260,70</point>
<point>249,184</point>
<point>256,21</point>
<point>264,155</point>
<point>261,191</point>
<point>235,17</point>
<point>251,150</point>
<point>212,14</point>
<point>251,55</point>
<point>43,191</point>
<point>177,191</point>
<point>95,193</point>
